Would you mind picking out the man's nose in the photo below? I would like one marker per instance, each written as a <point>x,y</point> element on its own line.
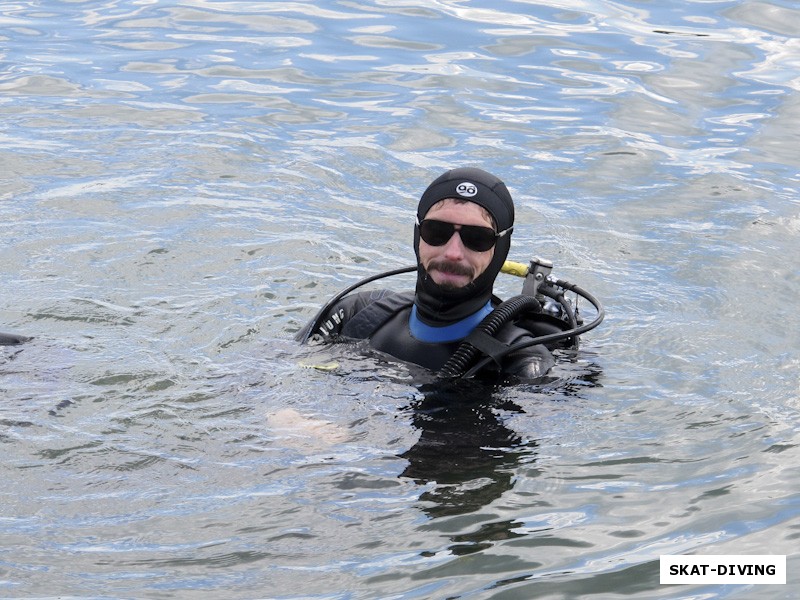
<point>454,247</point>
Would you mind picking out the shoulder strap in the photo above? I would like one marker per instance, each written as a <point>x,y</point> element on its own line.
<point>369,319</point>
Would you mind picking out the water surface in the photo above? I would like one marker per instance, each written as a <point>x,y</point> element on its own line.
<point>183,184</point>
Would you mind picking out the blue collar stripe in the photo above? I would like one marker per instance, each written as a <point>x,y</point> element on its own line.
<point>449,333</point>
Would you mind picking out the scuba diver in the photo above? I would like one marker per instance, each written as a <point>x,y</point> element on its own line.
<point>452,323</point>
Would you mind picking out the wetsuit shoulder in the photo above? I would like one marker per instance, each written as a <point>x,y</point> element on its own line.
<point>372,317</point>
<point>358,315</point>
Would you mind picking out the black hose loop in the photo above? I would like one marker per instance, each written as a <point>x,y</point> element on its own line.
<point>552,337</point>
<point>466,353</point>
<point>323,312</point>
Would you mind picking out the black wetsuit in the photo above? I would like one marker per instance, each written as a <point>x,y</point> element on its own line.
<point>383,317</point>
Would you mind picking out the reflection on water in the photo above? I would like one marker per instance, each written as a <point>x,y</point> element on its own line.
<point>182,185</point>
<point>464,449</point>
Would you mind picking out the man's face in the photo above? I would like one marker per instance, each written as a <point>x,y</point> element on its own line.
<point>453,265</point>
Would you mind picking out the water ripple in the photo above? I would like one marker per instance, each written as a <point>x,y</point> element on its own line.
<point>183,184</point>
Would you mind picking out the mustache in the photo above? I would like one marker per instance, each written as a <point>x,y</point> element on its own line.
<point>451,267</point>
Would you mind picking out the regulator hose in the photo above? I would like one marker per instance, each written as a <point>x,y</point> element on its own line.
<point>466,354</point>
<point>551,337</point>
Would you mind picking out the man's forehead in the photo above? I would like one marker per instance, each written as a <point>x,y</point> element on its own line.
<point>465,205</point>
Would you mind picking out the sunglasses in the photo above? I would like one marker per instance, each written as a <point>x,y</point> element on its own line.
<point>474,237</point>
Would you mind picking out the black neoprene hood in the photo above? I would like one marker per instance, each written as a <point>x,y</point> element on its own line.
<point>436,305</point>
<point>474,185</point>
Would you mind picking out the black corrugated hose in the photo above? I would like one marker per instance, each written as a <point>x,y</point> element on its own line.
<point>544,339</point>
<point>466,353</point>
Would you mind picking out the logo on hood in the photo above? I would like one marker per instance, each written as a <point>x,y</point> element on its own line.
<point>466,189</point>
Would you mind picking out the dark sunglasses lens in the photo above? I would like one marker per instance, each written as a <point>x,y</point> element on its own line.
<point>436,233</point>
<point>474,237</point>
<point>479,239</point>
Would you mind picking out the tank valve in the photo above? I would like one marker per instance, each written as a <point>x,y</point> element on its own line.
<point>538,271</point>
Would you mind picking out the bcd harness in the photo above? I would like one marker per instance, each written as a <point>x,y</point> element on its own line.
<point>542,309</point>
